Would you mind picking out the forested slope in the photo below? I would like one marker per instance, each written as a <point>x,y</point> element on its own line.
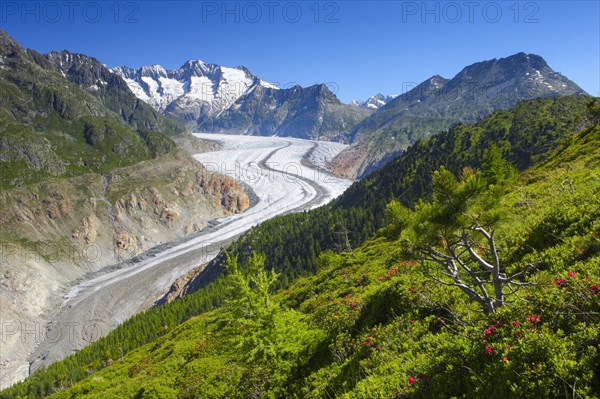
<point>524,134</point>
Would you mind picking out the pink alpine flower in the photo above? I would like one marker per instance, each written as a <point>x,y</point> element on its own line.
<point>411,380</point>
<point>489,349</point>
<point>489,330</point>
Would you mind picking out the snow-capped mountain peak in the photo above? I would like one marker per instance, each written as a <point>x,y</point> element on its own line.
<point>193,62</point>
<point>195,88</point>
<point>215,98</point>
<point>268,85</point>
<point>374,102</point>
<point>153,70</point>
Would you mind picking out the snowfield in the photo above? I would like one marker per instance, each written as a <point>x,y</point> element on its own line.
<point>282,180</point>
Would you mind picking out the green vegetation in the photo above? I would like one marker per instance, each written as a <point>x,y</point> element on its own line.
<point>372,322</point>
<point>593,112</point>
<point>523,135</point>
<point>454,237</point>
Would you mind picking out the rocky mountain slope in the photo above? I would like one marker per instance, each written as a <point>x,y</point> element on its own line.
<point>214,98</point>
<point>438,103</point>
<point>89,177</point>
<point>312,112</point>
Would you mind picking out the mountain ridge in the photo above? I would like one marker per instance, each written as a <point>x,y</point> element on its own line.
<point>312,112</point>
<point>437,103</point>
<point>219,99</point>
<point>189,85</point>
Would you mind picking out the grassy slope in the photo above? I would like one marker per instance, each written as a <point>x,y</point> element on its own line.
<point>294,241</point>
<point>369,320</point>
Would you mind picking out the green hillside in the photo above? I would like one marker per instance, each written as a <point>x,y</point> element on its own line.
<point>373,324</point>
<point>524,134</point>
<point>313,341</point>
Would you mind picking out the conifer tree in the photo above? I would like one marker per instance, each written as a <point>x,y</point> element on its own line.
<point>454,238</point>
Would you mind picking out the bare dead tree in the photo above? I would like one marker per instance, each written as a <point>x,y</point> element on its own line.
<point>474,268</point>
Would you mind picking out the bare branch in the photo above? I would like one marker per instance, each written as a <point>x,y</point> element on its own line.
<point>475,256</point>
<point>460,284</point>
<point>471,273</point>
<point>514,292</point>
<point>492,243</point>
<point>526,268</point>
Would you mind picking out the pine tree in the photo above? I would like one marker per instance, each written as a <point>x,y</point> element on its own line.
<point>453,238</point>
<point>497,170</point>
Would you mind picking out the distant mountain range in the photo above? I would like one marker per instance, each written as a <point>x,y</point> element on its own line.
<point>438,103</point>
<point>214,98</point>
<point>374,102</point>
<point>193,90</point>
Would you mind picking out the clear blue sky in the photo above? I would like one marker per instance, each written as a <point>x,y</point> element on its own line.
<point>360,48</point>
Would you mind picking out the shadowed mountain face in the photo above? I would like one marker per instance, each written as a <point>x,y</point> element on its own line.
<point>438,103</point>
<point>313,112</point>
<point>214,98</point>
<point>89,74</point>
